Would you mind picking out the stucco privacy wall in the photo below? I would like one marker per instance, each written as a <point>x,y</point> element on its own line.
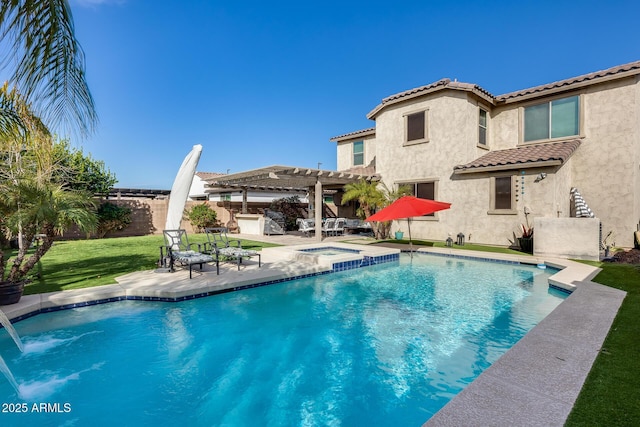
<point>575,238</point>
<point>148,216</point>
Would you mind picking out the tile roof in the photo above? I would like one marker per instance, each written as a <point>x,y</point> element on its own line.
<point>208,175</point>
<point>522,157</point>
<point>355,134</point>
<point>617,71</point>
<point>433,87</point>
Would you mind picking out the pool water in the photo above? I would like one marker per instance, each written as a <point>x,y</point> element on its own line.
<point>383,345</point>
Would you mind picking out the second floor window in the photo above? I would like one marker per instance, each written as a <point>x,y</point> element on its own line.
<point>358,153</point>
<point>416,127</point>
<point>554,119</point>
<point>482,127</point>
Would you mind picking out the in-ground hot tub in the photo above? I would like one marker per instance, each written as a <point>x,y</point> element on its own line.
<point>337,256</point>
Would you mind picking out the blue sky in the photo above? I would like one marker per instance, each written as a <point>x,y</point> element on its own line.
<point>260,83</point>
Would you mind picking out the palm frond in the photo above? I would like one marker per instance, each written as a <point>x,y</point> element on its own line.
<point>49,62</point>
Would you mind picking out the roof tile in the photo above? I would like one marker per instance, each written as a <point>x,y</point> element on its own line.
<point>526,156</point>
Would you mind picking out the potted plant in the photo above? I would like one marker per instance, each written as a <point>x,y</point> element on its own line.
<point>526,240</point>
<point>399,235</point>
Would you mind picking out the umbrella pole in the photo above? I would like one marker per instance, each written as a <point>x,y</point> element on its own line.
<point>410,243</point>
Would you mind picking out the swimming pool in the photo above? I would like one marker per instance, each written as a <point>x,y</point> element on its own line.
<point>384,345</point>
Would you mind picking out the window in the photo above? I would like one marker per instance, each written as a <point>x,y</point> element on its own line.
<point>554,119</point>
<point>358,153</point>
<point>502,195</point>
<point>424,190</point>
<point>482,127</point>
<point>416,127</point>
<point>503,192</point>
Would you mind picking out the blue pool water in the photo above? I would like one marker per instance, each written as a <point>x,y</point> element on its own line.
<point>383,345</point>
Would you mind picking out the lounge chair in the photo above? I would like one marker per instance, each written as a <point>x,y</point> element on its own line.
<point>179,250</point>
<point>338,228</point>
<point>218,243</point>
<point>306,226</point>
<point>327,227</point>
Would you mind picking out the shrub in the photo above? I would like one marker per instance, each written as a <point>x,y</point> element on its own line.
<point>112,217</point>
<point>291,209</point>
<point>201,216</point>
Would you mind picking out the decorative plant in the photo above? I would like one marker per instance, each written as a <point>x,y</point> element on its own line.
<point>201,216</point>
<point>527,231</point>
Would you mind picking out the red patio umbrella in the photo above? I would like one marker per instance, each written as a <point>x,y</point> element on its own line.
<point>408,207</point>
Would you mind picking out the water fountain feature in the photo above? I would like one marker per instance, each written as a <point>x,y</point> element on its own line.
<point>4,320</point>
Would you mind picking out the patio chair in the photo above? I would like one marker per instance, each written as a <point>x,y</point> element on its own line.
<point>218,243</point>
<point>219,236</point>
<point>306,226</point>
<point>327,227</point>
<point>179,250</point>
<point>338,228</point>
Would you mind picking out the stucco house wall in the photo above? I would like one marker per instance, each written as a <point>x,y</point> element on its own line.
<point>605,166</point>
<point>345,151</point>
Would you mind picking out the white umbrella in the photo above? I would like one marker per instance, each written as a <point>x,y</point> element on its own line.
<point>180,189</point>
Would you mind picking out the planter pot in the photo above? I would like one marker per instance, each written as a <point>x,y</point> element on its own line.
<point>10,292</point>
<point>399,235</point>
<point>526,244</point>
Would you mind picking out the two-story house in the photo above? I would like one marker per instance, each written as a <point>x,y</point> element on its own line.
<point>503,161</point>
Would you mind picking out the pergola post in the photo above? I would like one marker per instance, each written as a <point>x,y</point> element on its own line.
<point>244,200</point>
<point>318,210</point>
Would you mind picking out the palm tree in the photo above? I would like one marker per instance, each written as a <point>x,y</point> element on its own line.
<point>40,208</point>
<point>372,196</point>
<point>390,196</point>
<point>369,198</point>
<point>30,202</point>
<point>48,64</point>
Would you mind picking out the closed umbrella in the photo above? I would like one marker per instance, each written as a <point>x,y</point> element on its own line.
<point>408,207</point>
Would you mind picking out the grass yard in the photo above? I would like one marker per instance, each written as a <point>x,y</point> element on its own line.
<point>467,246</point>
<point>77,264</point>
<point>611,393</point>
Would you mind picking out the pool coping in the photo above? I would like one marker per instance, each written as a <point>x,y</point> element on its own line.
<point>536,382</point>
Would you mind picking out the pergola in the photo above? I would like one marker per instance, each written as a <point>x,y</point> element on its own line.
<point>287,178</point>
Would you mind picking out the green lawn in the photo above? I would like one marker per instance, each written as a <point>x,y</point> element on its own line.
<point>77,264</point>
<point>611,394</point>
<point>466,246</point>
